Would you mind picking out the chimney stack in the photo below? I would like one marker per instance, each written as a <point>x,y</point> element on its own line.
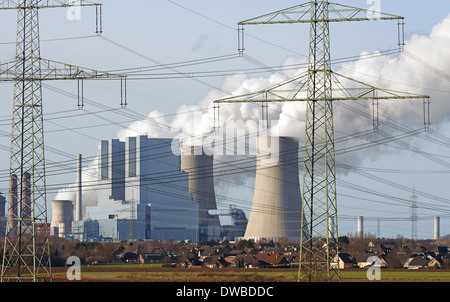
<point>13,205</point>
<point>360,233</point>
<point>437,227</point>
<point>79,197</point>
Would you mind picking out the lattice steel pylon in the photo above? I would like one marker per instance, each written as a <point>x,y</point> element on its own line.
<point>26,248</point>
<point>132,232</point>
<point>319,87</point>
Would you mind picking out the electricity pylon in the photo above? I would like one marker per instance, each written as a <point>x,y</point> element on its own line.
<point>26,248</point>
<point>319,87</point>
<point>132,233</point>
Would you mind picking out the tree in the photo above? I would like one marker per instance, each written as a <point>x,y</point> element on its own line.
<point>244,244</point>
<point>343,239</point>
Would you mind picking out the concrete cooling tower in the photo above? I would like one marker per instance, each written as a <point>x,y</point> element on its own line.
<point>276,207</point>
<point>200,169</point>
<point>62,216</point>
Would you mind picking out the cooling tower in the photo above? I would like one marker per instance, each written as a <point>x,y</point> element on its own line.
<point>62,216</point>
<point>201,184</point>
<point>276,207</point>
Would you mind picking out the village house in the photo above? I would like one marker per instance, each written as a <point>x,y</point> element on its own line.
<point>421,262</point>
<point>365,259</point>
<point>155,256</point>
<point>344,260</point>
<point>191,262</point>
<point>215,262</point>
<point>127,257</point>
<point>397,257</point>
<point>426,259</point>
<point>249,261</point>
<point>272,258</point>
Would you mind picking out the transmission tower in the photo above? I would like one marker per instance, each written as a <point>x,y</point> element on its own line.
<point>132,234</point>
<point>319,87</point>
<point>26,248</point>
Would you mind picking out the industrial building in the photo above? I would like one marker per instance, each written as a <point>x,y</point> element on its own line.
<point>145,191</point>
<point>142,194</point>
<point>238,223</point>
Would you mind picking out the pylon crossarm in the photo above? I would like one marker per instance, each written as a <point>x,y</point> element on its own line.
<point>290,89</point>
<point>336,13</point>
<point>281,92</point>
<point>290,15</point>
<point>343,13</point>
<point>7,70</point>
<point>361,91</point>
<point>53,70</point>
<point>15,4</point>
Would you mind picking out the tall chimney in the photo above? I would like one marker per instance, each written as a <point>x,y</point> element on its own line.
<point>79,196</point>
<point>437,227</point>
<point>13,205</point>
<point>331,227</point>
<point>26,198</point>
<point>360,233</point>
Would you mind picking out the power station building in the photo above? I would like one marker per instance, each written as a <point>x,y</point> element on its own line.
<point>145,191</point>
<point>142,194</point>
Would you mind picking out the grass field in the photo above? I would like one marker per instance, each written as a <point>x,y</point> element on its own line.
<point>149,273</point>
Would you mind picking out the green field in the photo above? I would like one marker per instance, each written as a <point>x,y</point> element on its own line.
<point>156,273</point>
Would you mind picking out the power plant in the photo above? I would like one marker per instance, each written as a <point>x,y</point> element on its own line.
<point>144,191</point>
<point>140,178</point>
<point>174,197</point>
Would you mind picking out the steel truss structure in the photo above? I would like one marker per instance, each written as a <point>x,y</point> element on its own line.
<point>26,248</point>
<point>319,87</point>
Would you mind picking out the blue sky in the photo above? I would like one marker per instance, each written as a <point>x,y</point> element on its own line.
<point>141,33</point>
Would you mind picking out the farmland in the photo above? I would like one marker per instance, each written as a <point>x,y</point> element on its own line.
<point>148,273</point>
